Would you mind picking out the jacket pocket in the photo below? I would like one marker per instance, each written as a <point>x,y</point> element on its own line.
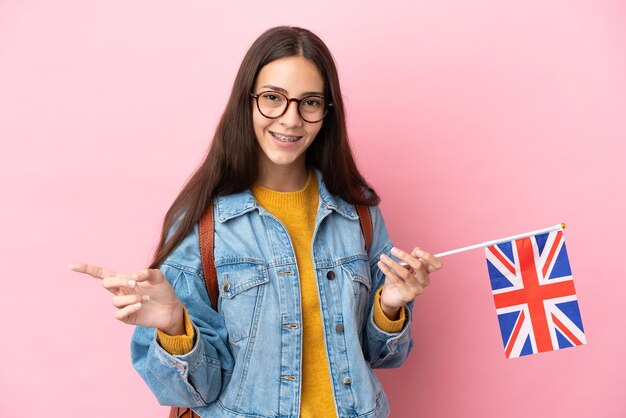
<point>359,273</point>
<point>361,283</point>
<point>242,290</point>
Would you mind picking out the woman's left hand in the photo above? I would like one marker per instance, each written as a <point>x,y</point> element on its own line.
<point>404,282</point>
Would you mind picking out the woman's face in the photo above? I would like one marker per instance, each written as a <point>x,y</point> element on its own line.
<point>284,140</point>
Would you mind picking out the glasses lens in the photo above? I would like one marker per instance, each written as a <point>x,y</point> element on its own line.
<point>272,104</point>
<point>312,108</point>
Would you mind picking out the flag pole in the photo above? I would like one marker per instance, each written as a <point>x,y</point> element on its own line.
<point>558,227</point>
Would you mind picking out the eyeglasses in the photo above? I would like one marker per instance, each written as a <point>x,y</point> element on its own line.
<point>273,105</point>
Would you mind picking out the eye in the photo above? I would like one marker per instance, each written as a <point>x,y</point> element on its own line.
<point>272,97</point>
<point>313,102</point>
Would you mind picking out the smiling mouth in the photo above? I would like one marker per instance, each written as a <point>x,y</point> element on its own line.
<point>285,138</point>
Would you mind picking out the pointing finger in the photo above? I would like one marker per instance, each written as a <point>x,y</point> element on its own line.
<point>93,271</point>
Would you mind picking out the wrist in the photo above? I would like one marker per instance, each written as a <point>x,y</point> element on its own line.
<point>392,313</point>
<point>177,324</point>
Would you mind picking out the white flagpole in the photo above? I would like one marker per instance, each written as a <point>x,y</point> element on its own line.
<point>557,227</point>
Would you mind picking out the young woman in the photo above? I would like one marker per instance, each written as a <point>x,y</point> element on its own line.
<point>304,312</point>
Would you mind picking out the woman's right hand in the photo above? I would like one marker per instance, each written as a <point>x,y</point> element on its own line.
<point>145,298</point>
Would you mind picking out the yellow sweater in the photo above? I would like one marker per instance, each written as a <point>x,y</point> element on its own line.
<point>297,211</point>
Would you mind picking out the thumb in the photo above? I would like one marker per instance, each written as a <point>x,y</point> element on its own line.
<point>152,276</point>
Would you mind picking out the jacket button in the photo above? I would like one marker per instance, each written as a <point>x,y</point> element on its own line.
<point>347,381</point>
<point>339,328</point>
<point>330,275</point>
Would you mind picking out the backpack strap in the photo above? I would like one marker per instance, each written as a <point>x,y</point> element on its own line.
<point>367,228</point>
<point>365,220</point>
<point>207,245</point>
<point>180,412</point>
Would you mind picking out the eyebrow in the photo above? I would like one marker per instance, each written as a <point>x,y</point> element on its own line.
<point>282,90</point>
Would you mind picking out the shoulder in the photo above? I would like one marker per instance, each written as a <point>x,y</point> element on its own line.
<point>186,255</point>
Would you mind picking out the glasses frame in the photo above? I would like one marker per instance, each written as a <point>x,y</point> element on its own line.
<point>327,104</point>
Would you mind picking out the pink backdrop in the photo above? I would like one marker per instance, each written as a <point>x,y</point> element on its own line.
<point>473,119</point>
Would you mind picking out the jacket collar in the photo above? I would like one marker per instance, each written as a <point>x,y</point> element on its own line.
<point>237,204</point>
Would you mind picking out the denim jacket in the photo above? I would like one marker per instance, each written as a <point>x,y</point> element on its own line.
<point>246,359</point>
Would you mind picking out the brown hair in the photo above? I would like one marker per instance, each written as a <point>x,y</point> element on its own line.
<point>231,164</point>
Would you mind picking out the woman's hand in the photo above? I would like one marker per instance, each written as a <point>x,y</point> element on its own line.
<point>404,281</point>
<point>145,298</point>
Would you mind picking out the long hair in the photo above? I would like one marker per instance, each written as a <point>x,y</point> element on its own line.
<point>231,164</point>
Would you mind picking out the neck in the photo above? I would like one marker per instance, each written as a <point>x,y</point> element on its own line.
<point>284,179</point>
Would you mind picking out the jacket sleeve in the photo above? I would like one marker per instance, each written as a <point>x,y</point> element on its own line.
<point>197,377</point>
<point>384,349</point>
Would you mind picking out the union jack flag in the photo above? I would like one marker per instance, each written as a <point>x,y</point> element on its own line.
<point>534,293</point>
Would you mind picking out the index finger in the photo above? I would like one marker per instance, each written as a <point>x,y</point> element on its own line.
<point>433,262</point>
<point>406,259</point>
<point>93,271</point>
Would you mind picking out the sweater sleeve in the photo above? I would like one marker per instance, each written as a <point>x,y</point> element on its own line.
<point>381,320</point>
<point>178,345</point>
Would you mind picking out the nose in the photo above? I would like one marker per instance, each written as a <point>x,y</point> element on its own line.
<point>292,116</point>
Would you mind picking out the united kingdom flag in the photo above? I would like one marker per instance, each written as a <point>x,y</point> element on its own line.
<point>534,293</point>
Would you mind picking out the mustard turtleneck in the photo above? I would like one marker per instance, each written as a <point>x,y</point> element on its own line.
<point>297,211</point>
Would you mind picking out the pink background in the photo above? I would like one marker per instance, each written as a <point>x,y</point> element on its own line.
<point>474,120</point>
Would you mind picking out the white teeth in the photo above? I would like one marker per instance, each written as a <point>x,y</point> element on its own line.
<point>283,138</point>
